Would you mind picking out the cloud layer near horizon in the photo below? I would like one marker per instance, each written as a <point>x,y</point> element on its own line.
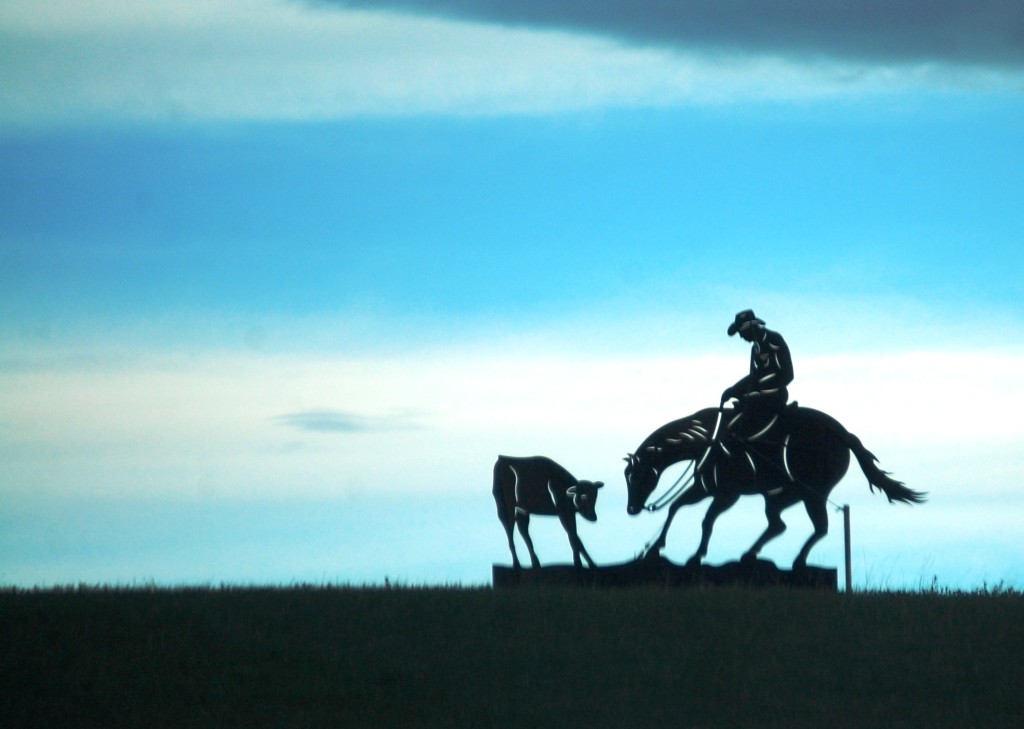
<point>212,425</point>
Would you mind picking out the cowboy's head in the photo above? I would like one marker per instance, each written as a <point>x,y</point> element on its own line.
<point>747,324</point>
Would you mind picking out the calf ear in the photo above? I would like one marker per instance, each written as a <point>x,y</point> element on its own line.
<point>598,484</point>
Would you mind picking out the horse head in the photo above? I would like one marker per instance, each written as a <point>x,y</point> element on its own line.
<point>680,440</point>
<point>641,480</point>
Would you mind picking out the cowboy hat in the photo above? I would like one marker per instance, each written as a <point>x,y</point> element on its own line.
<point>744,319</point>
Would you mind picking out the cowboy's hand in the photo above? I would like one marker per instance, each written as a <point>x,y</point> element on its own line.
<point>727,395</point>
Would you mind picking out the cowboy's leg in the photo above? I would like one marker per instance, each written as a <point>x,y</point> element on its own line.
<point>758,413</point>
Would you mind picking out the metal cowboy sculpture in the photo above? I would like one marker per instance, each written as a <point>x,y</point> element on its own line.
<point>786,453</point>
<point>762,394</point>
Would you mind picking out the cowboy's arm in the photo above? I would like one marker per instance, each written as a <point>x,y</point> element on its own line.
<point>742,387</point>
<point>745,383</point>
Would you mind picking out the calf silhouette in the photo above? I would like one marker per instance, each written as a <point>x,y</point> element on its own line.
<point>537,485</point>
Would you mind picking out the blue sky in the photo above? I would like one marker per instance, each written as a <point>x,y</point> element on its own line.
<point>280,279</point>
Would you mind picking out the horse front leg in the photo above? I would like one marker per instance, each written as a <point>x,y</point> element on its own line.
<point>691,495</point>
<point>720,503</point>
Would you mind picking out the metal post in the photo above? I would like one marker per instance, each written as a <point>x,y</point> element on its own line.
<point>846,537</point>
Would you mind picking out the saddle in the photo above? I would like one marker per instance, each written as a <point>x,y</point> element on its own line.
<point>756,442</point>
<point>758,428</point>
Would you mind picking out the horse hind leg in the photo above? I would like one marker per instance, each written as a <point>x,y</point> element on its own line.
<point>773,506</point>
<point>817,510</point>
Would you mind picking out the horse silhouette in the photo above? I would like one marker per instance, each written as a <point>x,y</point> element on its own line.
<point>802,461</point>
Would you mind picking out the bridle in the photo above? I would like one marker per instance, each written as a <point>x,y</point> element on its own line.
<point>677,488</point>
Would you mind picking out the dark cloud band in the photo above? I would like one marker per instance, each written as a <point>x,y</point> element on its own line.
<point>960,32</point>
<point>335,421</point>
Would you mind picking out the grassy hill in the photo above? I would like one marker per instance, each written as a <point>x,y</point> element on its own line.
<point>452,657</point>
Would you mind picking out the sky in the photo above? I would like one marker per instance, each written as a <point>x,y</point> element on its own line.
<point>280,279</point>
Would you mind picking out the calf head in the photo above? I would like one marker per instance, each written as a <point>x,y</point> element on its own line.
<point>584,498</point>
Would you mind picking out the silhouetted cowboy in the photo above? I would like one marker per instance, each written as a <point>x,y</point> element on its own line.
<point>760,396</point>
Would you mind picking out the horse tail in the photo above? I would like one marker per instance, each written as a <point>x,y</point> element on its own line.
<point>894,490</point>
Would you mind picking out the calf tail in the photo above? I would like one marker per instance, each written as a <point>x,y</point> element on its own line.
<point>894,490</point>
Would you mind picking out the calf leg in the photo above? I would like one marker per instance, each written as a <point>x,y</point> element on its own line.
<point>523,522</point>
<point>586,555</point>
<point>574,540</point>
<point>502,491</point>
<point>511,543</point>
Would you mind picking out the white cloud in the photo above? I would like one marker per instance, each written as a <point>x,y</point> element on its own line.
<point>211,425</point>
<point>270,59</point>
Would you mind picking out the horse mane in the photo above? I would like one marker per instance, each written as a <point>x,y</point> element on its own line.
<point>694,429</point>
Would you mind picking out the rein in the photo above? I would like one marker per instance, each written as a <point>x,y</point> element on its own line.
<point>677,488</point>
